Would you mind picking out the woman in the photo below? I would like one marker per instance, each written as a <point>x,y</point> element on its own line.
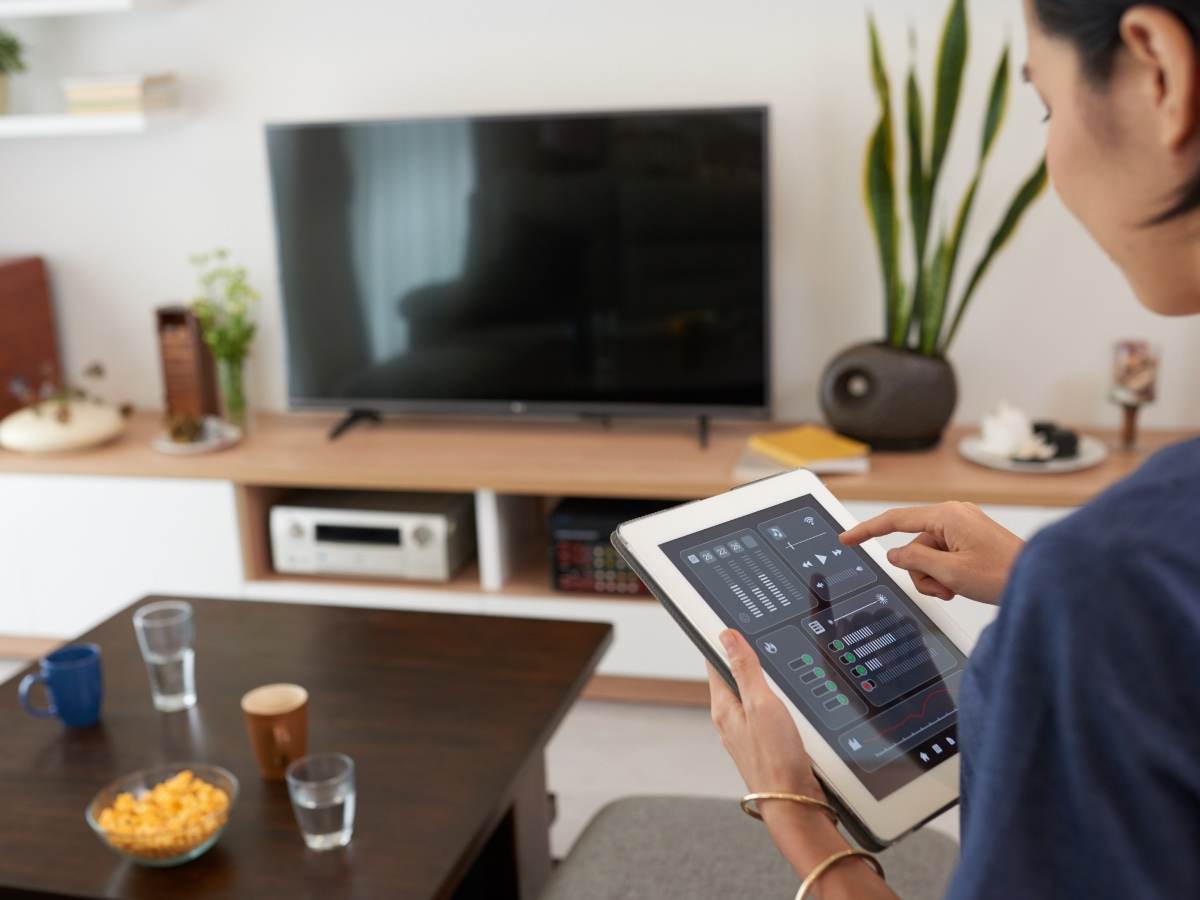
<point>1080,711</point>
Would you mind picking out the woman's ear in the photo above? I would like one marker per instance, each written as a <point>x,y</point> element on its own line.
<point>1164,62</point>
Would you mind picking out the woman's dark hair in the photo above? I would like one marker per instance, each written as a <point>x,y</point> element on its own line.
<point>1094,28</point>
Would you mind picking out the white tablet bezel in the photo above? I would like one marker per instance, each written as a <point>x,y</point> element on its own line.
<point>900,812</point>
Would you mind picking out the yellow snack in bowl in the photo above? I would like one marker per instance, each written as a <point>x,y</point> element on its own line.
<point>167,820</point>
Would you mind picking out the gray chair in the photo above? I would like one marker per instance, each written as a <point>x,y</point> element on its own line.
<point>691,848</point>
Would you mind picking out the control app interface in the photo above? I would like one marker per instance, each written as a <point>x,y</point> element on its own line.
<point>846,644</point>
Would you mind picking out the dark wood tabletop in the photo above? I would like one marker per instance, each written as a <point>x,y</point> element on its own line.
<point>446,717</point>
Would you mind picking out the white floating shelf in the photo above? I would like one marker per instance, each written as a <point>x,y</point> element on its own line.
<point>21,9</point>
<point>63,125</point>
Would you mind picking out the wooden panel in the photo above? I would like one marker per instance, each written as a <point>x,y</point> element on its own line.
<point>27,336</point>
<point>666,691</point>
<point>254,528</point>
<point>941,474</point>
<point>632,459</point>
<point>189,373</point>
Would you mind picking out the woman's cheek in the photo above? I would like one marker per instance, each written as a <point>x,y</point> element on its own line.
<point>1072,167</point>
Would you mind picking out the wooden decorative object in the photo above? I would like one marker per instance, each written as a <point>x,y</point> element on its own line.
<point>189,376</point>
<point>28,344</point>
<point>1135,384</point>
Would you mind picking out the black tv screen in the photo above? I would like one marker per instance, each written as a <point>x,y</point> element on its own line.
<point>606,263</point>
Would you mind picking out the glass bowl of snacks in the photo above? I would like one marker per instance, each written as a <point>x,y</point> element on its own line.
<point>166,815</point>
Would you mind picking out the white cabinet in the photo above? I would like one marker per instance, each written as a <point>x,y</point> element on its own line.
<point>75,549</point>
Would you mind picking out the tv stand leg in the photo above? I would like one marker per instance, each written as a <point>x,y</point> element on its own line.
<point>703,429</point>
<point>353,418</point>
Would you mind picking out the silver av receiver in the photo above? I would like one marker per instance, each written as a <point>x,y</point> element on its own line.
<point>417,537</point>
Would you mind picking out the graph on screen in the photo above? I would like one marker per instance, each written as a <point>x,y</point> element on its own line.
<point>875,743</point>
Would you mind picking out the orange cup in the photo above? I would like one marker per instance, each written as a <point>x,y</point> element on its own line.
<point>277,722</point>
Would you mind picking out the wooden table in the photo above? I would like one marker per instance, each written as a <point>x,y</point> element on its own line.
<point>446,717</point>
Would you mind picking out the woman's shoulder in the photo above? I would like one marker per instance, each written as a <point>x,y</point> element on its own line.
<point>1141,537</point>
<point>1173,467</point>
<point>1166,488</point>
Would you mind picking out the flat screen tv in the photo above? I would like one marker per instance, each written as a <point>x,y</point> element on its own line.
<point>611,264</point>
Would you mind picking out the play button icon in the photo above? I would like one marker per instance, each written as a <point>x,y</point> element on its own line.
<point>821,559</point>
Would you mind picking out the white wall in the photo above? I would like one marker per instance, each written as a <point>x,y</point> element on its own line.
<point>117,216</point>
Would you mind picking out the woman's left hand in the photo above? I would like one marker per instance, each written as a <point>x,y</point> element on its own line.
<point>757,730</point>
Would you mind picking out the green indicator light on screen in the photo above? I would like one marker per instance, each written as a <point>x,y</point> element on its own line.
<point>831,685</point>
<point>819,672</point>
<point>806,659</point>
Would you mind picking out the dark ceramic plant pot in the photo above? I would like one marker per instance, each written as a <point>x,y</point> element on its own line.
<point>888,398</point>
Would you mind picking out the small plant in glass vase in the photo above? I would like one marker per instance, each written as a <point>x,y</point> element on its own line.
<point>224,312</point>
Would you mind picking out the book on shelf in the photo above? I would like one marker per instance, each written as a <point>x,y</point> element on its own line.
<point>120,93</point>
<point>811,447</point>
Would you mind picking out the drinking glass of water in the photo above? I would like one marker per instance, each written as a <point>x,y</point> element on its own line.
<point>165,632</point>
<point>322,791</point>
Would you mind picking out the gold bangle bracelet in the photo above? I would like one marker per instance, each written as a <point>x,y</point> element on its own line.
<point>824,867</point>
<point>751,810</point>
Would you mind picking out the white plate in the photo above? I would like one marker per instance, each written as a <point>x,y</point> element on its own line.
<point>217,436</point>
<point>1092,452</point>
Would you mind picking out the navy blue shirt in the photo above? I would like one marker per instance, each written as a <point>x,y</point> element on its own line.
<point>1080,709</point>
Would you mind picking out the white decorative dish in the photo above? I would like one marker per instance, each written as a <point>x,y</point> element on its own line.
<point>1092,452</point>
<point>40,430</point>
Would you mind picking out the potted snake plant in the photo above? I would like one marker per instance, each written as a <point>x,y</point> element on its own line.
<point>900,393</point>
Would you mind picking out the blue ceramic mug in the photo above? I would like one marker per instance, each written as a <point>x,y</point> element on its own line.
<point>74,688</point>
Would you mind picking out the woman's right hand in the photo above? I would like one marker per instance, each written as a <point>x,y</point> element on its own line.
<point>958,549</point>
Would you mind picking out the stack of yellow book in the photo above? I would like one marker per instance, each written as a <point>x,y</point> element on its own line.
<point>807,447</point>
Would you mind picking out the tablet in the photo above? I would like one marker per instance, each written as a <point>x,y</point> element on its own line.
<point>869,668</point>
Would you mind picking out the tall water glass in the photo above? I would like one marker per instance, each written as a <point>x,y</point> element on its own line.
<point>165,632</point>
<point>322,791</point>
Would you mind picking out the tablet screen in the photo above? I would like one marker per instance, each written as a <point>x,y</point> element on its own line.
<point>867,668</point>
